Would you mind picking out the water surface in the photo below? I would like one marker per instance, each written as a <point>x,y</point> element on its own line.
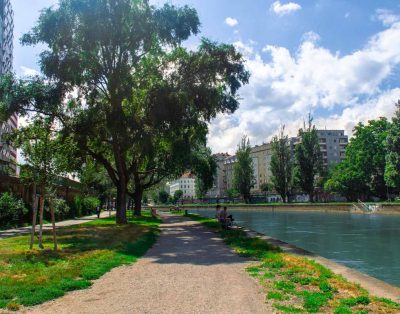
<point>368,243</point>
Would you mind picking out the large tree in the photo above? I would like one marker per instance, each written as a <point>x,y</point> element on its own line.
<point>137,100</point>
<point>282,165</point>
<point>243,172</point>
<point>392,168</point>
<point>308,158</point>
<point>361,174</point>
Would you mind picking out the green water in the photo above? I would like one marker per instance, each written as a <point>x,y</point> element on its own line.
<point>368,243</point>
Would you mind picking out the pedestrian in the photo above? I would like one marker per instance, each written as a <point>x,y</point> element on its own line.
<point>98,211</point>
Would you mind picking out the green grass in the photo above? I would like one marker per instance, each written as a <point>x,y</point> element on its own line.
<point>86,252</point>
<point>296,284</point>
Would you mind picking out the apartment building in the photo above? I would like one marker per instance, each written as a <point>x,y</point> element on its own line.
<point>333,145</point>
<point>219,184</point>
<point>186,183</point>
<point>8,154</point>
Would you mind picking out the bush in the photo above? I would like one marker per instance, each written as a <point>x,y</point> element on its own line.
<point>85,205</point>
<point>12,210</point>
<point>61,208</point>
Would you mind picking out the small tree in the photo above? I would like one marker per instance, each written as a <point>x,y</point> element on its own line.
<point>243,172</point>
<point>177,195</point>
<point>45,160</point>
<point>282,165</point>
<point>163,196</point>
<point>232,193</point>
<point>308,158</point>
<point>266,187</point>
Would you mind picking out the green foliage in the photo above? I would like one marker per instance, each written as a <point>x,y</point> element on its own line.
<point>86,252</point>
<point>61,209</point>
<point>243,172</point>
<point>392,168</point>
<point>231,193</point>
<point>85,205</point>
<point>177,196</point>
<point>163,196</point>
<point>282,165</point>
<point>145,199</point>
<point>364,300</point>
<point>145,114</point>
<point>12,210</point>
<point>362,171</point>
<point>308,158</point>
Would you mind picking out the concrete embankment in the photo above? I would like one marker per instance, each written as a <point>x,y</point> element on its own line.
<point>373,285</point>
<point>389,209</point>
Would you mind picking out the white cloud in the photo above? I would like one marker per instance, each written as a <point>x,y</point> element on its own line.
<point>28,71</point>
<point>341,89</point>
<point>230,21</point>
<point>387,17</point>
<point>311,37</point>
<point>283,9</point>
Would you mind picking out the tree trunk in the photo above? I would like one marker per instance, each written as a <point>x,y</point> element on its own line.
<point>121,204</point>
<point>53,223</point>
<point>138,195</point>
<point>41,208</point>
<point>34,216</point>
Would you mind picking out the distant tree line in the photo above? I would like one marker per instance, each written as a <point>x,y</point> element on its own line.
<point>370,169</point>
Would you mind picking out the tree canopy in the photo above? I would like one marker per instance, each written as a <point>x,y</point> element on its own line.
<point>243,172</point>
<point>282,165</point>
<point>308,158</point>
<point>129,96</point>
<point>361,174</point>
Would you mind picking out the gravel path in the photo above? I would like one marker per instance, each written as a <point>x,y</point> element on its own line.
<point>189,270</point>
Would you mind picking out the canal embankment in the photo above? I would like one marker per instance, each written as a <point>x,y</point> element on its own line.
<point>295,282</point>
<point>373,285</point>
<point>376,208</point>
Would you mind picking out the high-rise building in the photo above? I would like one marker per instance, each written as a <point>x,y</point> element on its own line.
<point>333,145</point>
<point>8,154</point>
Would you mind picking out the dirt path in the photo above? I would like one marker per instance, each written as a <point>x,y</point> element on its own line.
<point>25,230</point>
<point>189,270</point>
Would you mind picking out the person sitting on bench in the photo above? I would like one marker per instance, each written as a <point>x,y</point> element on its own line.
<point>224,219</point>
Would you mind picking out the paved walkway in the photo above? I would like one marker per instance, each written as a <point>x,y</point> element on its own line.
<point>189,270</point>
<point>27,230</point>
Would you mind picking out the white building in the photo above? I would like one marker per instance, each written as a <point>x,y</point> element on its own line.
<point>186,183</point>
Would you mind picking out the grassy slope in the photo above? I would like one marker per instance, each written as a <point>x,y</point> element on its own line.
<point>295,284</point>
<point>86,252</point>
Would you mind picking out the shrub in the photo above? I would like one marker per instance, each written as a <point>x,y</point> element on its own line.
<point>89,204</point>
<point>12,210</point>
<point>61,208</point>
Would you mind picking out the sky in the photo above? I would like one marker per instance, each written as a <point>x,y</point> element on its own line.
<point>339,60</point>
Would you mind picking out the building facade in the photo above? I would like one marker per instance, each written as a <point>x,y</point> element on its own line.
<point>219,184</point>
<point>186,183</point>
<point>333,145</point>
<point>8,154</point>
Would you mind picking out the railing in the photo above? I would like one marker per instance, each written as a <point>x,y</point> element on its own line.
<point>366,208</point>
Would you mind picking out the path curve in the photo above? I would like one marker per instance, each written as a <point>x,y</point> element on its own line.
<point>188,270</point>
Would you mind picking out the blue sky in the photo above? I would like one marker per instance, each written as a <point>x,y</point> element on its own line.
<point>338,59</point>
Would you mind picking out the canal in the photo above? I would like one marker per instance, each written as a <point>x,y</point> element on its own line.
<point>368,243</point>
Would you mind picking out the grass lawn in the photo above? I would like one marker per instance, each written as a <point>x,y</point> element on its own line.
<point>294,284</point>
<point>86,252</point>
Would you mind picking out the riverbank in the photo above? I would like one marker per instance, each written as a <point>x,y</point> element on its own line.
<point>382,209</point>
<point>294,283</point>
